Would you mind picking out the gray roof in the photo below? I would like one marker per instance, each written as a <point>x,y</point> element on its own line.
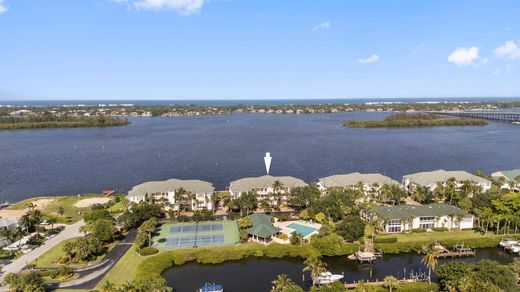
<point>171,185</point>
<point>249,183</point>
<point>9,222</point>
<point>343,180</point>
<point>433,177</point>
<point>508,174</point>
<point>405,211</point>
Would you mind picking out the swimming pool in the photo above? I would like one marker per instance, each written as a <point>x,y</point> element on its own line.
<point>301,229</point>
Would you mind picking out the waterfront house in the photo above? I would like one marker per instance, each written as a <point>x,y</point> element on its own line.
<point>510,177</point>
<point>9,223</point>
<point>399,218</point>
<point>430,179</point>
<point>178,194</point>
<point>265,186</point>
<point>262,229</point>
<point>371,182</point>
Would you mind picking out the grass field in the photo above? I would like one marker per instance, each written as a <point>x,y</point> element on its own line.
<point>124,271</point>
<point>51,258</point>
<point>52,208</point>
<point>231,235</point>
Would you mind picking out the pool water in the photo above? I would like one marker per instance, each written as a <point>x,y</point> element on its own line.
<point>301,229</point>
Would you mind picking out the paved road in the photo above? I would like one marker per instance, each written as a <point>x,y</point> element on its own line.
<point>17,265</point>
<point>91,277</point>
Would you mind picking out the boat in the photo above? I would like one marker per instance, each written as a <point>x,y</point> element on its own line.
<point>513,248</point>
<point>326,278</point>
<point>507,242</point>
<point>211,287</point>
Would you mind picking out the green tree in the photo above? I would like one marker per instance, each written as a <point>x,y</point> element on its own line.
<point>430,261</point>
<point>390,282</point>
<point>315,267</point>
<point>103,230</point>
<point>351,228</point>
<point>24,282</point>
<point>284,284</point>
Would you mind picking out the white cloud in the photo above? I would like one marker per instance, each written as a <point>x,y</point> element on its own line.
<point>182,6</point>
<point>509,50</point>
<point>322,26</point>
<point>369,60</point>
<point>3,7</point>
<point>465,56</point>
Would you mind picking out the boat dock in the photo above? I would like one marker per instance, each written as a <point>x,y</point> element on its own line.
<point>458,251</point>
<point>374,283</point>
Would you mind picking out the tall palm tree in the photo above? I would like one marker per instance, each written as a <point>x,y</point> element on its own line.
<point>390,282</point>
<point>277,191</point>
<point>315,266</point>
<point>281,283</point>
<point>430,260</point>
<point>31,206</point>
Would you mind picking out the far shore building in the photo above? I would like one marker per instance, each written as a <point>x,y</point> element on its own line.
<point>431,178</point>
<point>508,176</point>
<point>199,193</point>
<point>369,180</point>
<point>262,229</point>
<point>400,218</point>
<point>262,186</point>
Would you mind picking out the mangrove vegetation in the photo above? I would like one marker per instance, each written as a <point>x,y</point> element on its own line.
<point>403,120</point>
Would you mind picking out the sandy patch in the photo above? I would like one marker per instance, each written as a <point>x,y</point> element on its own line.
<point>11,213</point>
<point>42,203</point>
<point>91,201</point>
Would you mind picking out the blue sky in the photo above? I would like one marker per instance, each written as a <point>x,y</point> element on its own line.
<point>256,49</point>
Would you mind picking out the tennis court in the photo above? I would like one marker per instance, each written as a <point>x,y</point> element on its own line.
<point>188,241</point>
<point>197,234</point>
<point>194,227</point>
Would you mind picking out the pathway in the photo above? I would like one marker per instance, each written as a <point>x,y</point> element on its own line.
<point>18,265</point>
<point>90,278</point>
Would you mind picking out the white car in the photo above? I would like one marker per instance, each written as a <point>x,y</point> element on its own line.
<point>507,242</point>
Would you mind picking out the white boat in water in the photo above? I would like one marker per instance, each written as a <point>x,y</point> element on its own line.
<point>326,278</point>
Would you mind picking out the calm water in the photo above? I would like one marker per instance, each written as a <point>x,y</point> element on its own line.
<point>220,149</point>
<point>257,274</point>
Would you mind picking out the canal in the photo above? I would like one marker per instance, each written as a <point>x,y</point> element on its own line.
<point>256,274</point>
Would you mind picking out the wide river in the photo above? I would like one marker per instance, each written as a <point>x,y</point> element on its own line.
<point>220,149</point>
<point>255,275</point>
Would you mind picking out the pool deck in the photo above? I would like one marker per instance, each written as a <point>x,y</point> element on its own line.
<point>288,230</point>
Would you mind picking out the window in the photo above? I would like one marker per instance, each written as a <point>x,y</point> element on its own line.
<point>394,229</point>
<point>427,222</point>
<point>427,218</point>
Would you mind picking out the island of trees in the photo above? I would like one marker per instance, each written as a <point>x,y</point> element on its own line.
<point>51,121</point>
<point>404,120</point>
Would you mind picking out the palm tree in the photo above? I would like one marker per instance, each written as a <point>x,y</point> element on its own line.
<point>30,206</point>
<point>430,260</point>
<point>277,191</point>
<point>281,283</point>
<point>315,266</point>
<point>390,282</point>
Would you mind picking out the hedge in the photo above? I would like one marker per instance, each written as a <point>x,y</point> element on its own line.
<point>147,251</point>
<point>440,229</point>
<point>385,239</point>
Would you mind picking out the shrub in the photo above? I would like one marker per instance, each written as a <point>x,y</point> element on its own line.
<point>385,239</point>
<point>283,236</point>
<point>440,229</point>
<point>418,230</point>
<point>147,251</point>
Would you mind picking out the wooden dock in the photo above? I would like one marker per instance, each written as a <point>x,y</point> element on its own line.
<point>374,283</point>
<point>453,254</point>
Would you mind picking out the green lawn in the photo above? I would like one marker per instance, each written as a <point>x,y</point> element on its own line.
<point>51,258</point>
<point>125,269</point>
<point>52,209</point>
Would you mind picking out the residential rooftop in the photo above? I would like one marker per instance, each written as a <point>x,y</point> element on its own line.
<point>193,186</point>
<point>441,175</point>
<point>262,226</point>
<point>406,211</point>
<point>508,174</point>
<point>351,179</point>
<point>249,183</point>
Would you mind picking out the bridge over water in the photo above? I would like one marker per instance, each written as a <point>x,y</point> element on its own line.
<point>513,117</point>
